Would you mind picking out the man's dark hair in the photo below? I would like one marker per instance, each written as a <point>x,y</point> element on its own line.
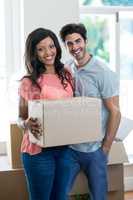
<point>73,28</point>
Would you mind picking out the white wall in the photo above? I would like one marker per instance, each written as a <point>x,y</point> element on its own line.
<point>52,14</point>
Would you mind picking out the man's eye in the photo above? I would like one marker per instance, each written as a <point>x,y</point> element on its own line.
<point>78,41</point>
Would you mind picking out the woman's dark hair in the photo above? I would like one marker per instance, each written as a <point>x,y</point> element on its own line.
<point>34,66</point>
<point>73,28</point>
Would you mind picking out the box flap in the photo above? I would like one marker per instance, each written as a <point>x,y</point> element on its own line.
<point>117,153</point>
<point>126,126</point>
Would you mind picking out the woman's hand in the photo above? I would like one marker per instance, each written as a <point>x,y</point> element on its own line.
<point>29,123</point>
<point>34,126</point>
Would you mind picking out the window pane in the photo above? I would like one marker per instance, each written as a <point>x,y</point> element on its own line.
<point>2,37</point>
<point>4,112</point>
<point>3,80</point>
<point>106,2</point>
<point>126,71</point>
<point>101,36</point>
<point>126,41</point>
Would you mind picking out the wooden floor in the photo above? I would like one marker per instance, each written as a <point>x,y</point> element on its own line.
<point>129,196</point>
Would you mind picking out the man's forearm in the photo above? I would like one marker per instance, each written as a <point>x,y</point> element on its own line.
<point>111,130</point>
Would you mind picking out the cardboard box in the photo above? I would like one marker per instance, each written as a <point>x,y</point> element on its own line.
<point>81,184</point>
<point>13,184</point>
<point>117,156</point>
<point>14,145</point>
<point>115,168</point>
<point>67,121</point>
<point>126,126</point>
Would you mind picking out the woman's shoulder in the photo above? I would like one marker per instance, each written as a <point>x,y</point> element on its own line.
<point>26,81</point>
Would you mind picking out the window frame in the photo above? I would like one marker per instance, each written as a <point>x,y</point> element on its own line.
<point>109,10</point>
<point>14,41</point>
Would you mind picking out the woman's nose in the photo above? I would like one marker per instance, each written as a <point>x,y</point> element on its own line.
<point>47,52</point>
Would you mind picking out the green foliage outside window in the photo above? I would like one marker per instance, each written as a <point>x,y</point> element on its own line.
<point>85,2</point>
<point>97,36</point>
<point>118,2</point>
<point>108,2</point>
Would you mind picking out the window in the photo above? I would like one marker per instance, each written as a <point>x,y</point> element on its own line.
<point>3,116</point>
<point>100,36</point>
<point>126,72</point>
<point>10,62</point>
<point>110,36</point>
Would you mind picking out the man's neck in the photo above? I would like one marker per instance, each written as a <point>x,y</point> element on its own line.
<point>82,62</point>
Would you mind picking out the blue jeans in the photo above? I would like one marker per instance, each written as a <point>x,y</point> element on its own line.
<point>40,171</point>
<point>94,165</point>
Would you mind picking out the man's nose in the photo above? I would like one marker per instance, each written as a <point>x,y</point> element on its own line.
<point>75,46</point>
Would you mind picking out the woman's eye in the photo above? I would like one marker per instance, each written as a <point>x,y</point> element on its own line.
<point>39,49</point>
<point>52,46</point>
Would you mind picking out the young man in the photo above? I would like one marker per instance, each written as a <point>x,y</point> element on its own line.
<point>93,79</point>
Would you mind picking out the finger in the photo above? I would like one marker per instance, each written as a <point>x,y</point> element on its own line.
<point>36,134</point>
<point>37,131</point>
<point>35,123</point>
<point>33,119</point>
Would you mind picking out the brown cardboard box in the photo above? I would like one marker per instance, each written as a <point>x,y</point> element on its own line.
<point>115,168</point>
<point>117,157</point>
<point>117,154</point>
<point>115,183</point>
<point>67,121</point>
<point>14,145</point>
<point>13,185</point>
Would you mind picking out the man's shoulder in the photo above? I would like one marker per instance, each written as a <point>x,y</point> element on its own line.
<point>102,66</point>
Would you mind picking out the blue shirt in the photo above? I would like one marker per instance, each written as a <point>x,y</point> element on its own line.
<point>95,79</point>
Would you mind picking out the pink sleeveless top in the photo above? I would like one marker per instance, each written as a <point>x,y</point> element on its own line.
<point>51,88</point>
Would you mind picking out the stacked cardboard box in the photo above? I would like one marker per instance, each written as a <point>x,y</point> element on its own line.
<point>115,169</point>
<point>117,155</point>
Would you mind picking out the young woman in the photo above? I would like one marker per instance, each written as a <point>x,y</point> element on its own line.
<point>46,79</point>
